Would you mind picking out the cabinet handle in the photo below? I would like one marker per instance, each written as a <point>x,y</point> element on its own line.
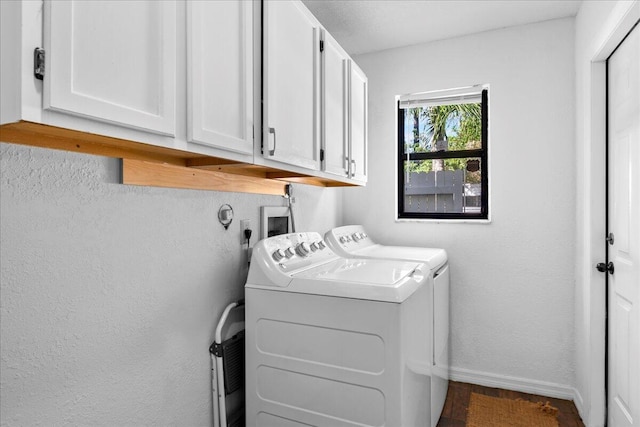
<point>353,170</point>
<point>273,131</point>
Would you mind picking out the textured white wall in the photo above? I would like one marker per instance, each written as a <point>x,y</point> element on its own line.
<point>512,280</point>
<point>110,293</point>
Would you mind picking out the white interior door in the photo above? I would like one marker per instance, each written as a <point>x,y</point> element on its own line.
<point>624,224</point>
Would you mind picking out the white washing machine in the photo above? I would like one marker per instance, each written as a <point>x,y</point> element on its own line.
<point>353,241</point>
<point>332,341</point>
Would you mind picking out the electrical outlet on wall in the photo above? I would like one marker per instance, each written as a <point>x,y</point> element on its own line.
<point>245,231</point>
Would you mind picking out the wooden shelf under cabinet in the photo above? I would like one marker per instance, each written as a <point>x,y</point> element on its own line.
<point>149,165</point>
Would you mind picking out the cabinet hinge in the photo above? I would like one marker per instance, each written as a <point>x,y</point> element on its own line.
<point>322,155</point>
<point>38,63</point>
<point>321,45</point>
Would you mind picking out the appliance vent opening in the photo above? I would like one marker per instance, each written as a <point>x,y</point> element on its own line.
<point>233,359</point>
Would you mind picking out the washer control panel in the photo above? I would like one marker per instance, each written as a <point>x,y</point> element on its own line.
<point>352,237</point>
<point>297,250</point>
<point>348,239</point>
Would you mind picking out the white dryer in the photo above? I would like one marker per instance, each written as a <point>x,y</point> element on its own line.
<point>353,241</point>
<point>332,341</point>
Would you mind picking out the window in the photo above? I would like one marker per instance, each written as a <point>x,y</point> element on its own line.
<point>442,154</point>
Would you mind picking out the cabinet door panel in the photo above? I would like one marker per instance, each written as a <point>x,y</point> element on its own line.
<point>291,47</point>
<point>358,123</point>
<point>334,107</point>
<point>112,61</point>
<point>220,67</point>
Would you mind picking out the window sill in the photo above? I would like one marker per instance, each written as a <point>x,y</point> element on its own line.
<point>444,221</point>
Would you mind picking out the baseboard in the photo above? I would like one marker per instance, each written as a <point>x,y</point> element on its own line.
<point>523,385</point>
<point>579,402</point>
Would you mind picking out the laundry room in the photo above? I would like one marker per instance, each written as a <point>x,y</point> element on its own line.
<point>131,205</point>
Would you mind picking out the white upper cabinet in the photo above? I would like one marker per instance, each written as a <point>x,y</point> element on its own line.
<point>335,97</point>
<point>112,61</point>
<point>358,91</point>
<point>314,98</point>
<point>220,74</point>
<point>344,113</point>
<point>291,47</point>
<point>218,83</point>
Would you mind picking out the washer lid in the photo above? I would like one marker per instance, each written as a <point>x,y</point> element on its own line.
<point>369,279</point>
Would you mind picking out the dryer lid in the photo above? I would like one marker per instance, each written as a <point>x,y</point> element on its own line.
<point>433,257</point>
<point>353,241</point>
<point>368,279</point>
<point>361,270</point>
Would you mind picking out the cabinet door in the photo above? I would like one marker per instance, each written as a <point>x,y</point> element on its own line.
<point>113,61</point>
<point>220,73</point>
<point>334,107</point>
<point>290,65</point>
<point>357,123</point>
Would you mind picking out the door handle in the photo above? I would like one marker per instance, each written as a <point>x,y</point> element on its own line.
<point>273,131</point>
<point>602,267</point>
<point>610,238</point>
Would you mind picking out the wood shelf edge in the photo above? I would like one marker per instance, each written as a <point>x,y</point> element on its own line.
<point>53,137</point>
<point>192,170</point>
<point>140,172</point>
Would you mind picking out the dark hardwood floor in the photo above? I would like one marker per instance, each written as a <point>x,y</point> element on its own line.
<point>454,413</point>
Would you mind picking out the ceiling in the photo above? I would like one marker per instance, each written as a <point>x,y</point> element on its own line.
<point>363,26</point>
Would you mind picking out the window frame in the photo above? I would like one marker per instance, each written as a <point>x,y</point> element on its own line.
<point>481,153</point>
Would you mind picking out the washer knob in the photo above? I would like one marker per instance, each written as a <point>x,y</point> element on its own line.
<point>278,255</point>
<point>314,246</point>
<point>356,237</point>
<point>289,252</point>
<point>303,249</point>
<point>322,245</point>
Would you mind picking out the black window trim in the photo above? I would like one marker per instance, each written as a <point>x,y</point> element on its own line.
<point>484,166</point>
